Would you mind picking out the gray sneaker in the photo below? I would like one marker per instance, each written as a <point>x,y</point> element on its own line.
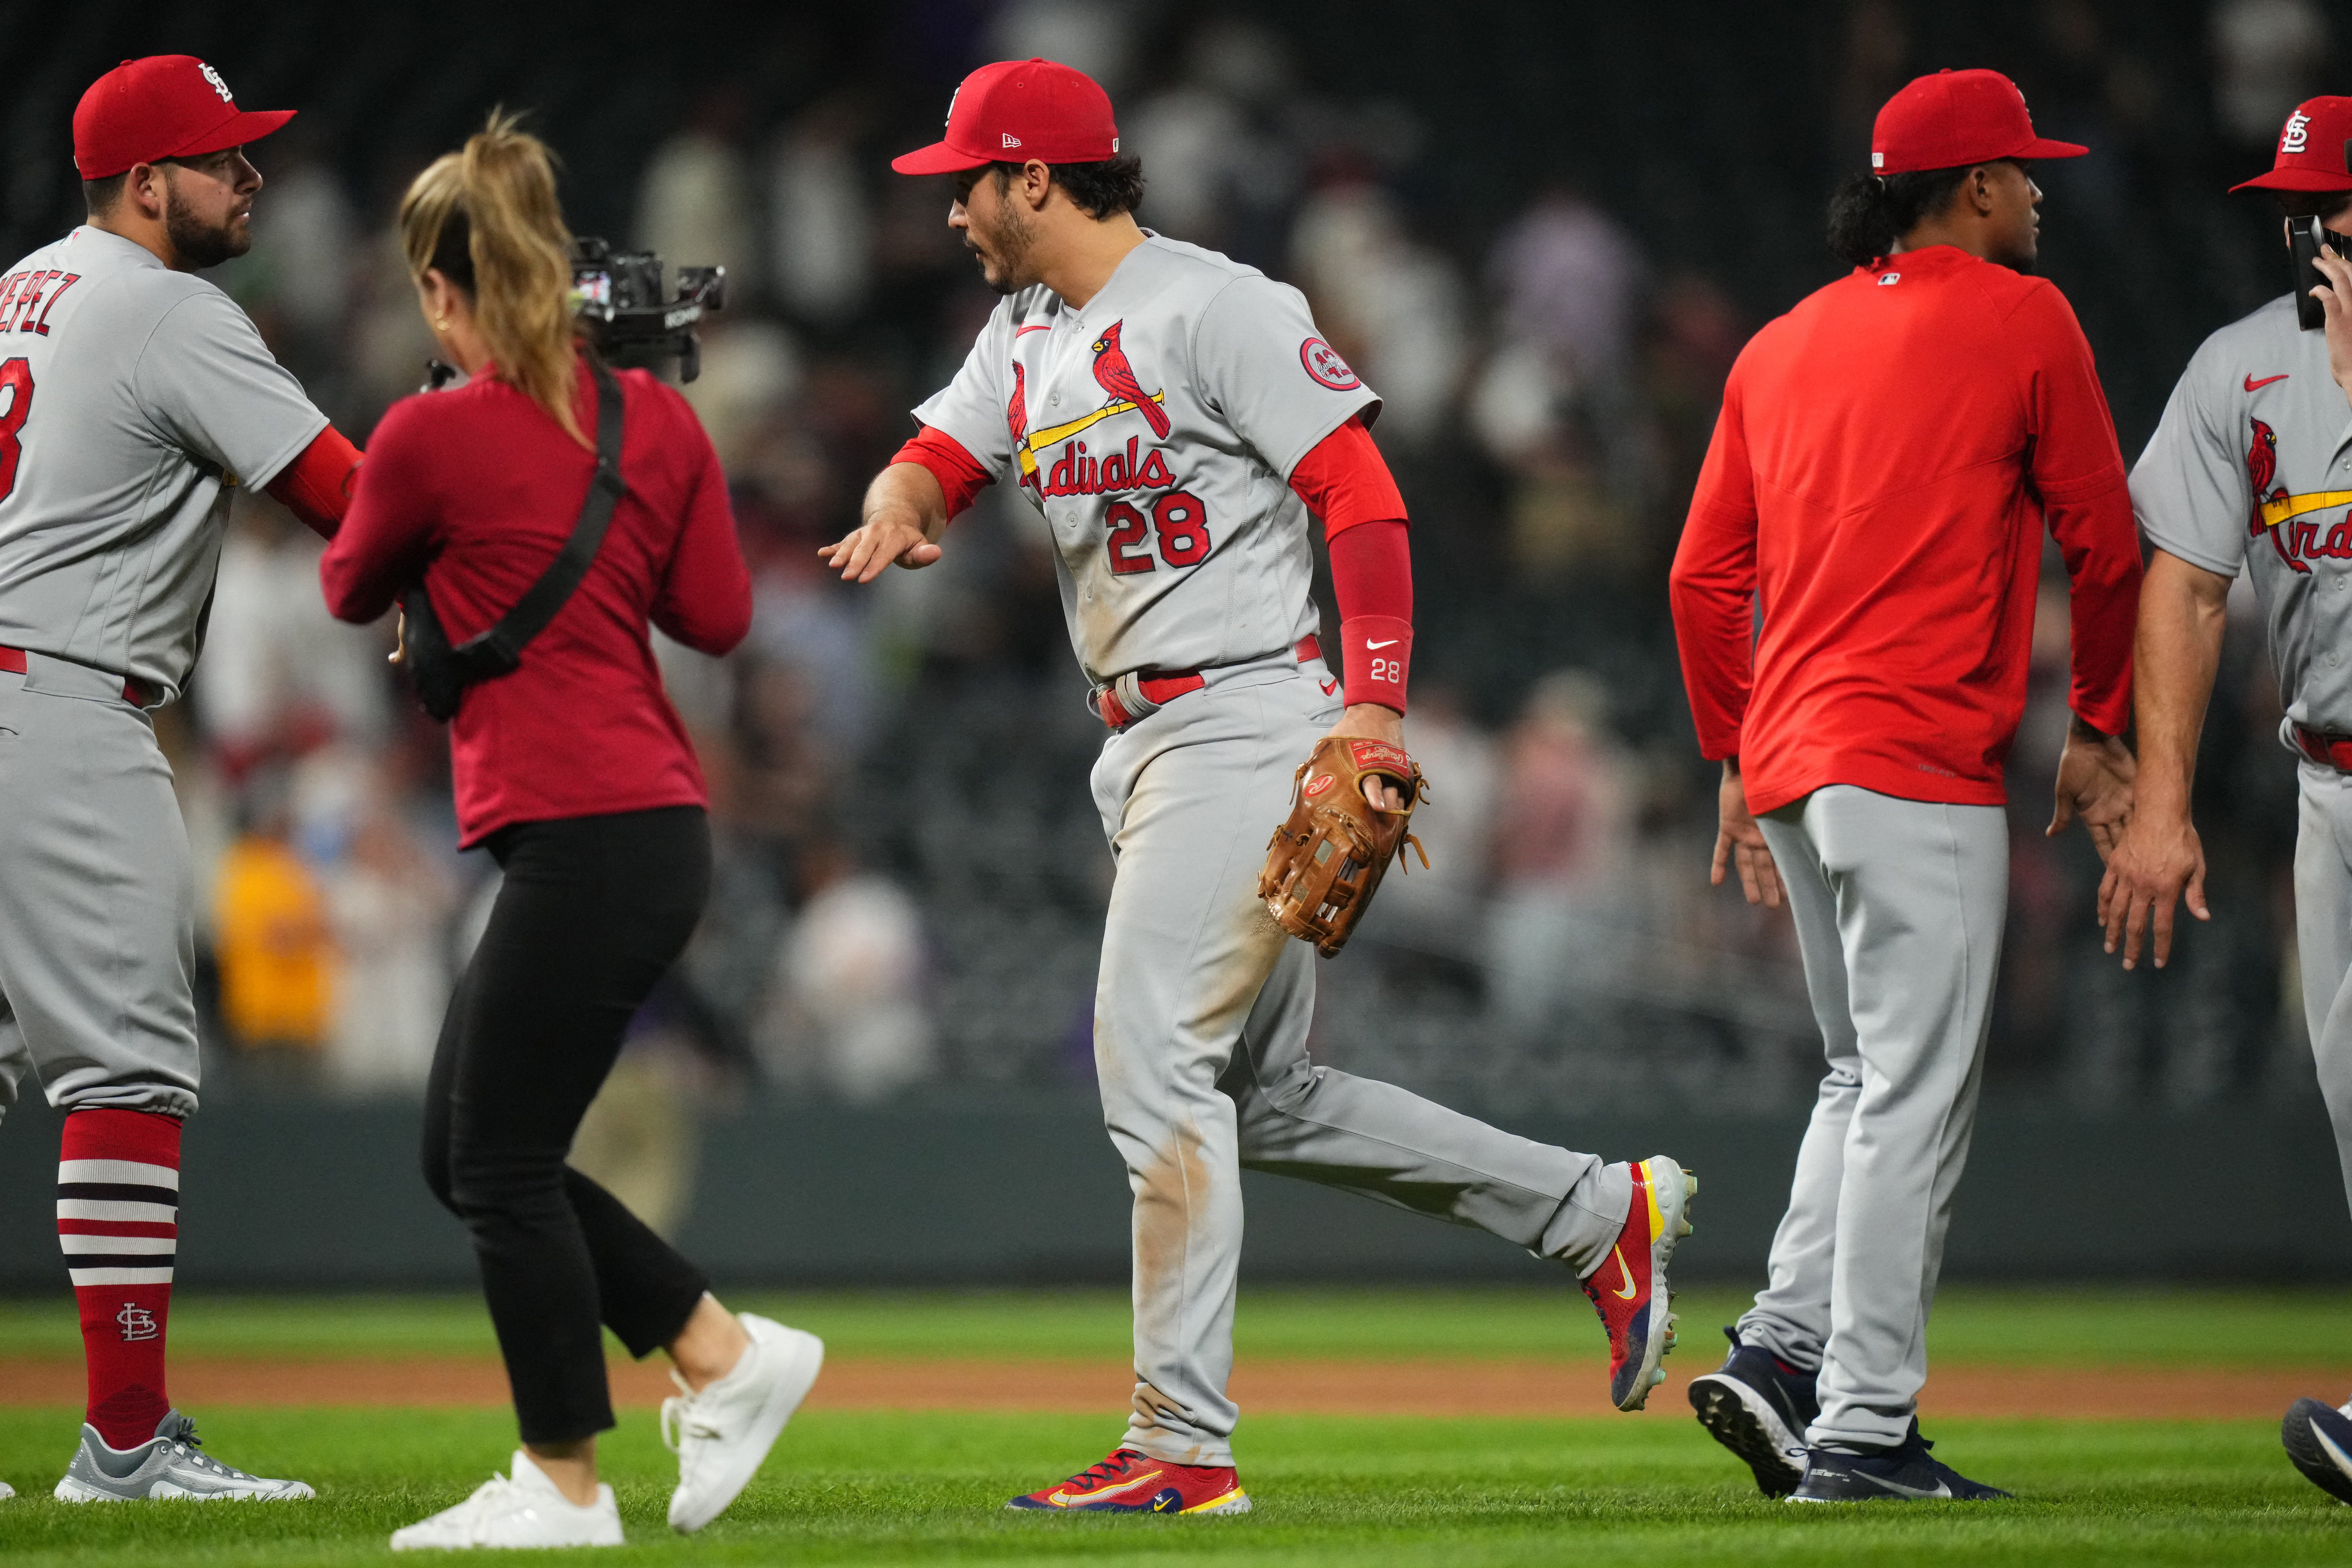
<point>170,1464</point>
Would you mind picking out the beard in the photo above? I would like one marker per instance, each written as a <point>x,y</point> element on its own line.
<point>1008,241</point>
<point>198,244</point>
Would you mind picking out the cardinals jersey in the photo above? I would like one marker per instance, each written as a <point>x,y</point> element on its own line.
<point>2251,467</point>
<point>133,399</point>
<point>1156,430</point>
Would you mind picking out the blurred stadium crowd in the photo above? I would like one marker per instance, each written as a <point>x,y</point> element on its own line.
<point>1543,234</point>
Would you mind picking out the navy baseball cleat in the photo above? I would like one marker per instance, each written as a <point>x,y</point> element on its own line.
<point>2318,1438</point>
<point>1759,1407</point>
<point>1902,1473</point>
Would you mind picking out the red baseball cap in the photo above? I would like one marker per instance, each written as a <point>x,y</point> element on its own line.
<point>2315,150</point>
<point>165,106</point>
<point>1954,119</point>
<point>1014,110</point>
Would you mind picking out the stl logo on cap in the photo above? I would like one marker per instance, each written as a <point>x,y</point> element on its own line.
<point>2298,133</point>
<point>219,86</point>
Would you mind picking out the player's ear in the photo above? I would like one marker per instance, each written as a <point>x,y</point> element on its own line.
<point>143,186</point>
<point>1037,184</point>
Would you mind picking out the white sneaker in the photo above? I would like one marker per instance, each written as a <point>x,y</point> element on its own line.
<point>721,1435</point>
<point>525,1511</point>
<point>6,1491</point>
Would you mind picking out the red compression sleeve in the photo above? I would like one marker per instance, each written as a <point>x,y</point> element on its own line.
<point>959,472</point>
<point>1345,482</point>
<point>1371,576</point>
<point>317,486</point>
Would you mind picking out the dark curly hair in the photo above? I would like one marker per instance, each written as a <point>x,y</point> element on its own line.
<point>1098,190</point>
<point>1871,211</point>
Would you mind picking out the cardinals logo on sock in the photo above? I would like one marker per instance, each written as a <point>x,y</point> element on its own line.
<point>1116,376</point>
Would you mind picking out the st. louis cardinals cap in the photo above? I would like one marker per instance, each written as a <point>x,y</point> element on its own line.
<point>165,106</point>
<point>2315,150</point>
<point>1014,110</point>
<point>1954,119</point>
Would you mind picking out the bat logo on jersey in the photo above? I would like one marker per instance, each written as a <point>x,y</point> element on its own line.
<point>1116,376</point>
<point>1084,477</point>
<point>2277,513</point>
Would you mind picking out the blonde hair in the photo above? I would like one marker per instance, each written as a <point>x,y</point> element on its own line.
<point>487,215</point>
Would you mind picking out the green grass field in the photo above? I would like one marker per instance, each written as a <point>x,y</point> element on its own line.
<point>881,1487</point>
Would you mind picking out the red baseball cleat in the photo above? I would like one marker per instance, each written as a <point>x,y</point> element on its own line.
<point>1629,1289</point>
<point>1131,1481</point>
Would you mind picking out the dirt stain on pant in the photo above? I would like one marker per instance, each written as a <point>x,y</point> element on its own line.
<point>1170,1192</point>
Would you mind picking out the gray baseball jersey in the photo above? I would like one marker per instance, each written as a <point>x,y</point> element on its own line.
<point>2252,465</point>
<point>1156,429</point>
<point>133,399</point>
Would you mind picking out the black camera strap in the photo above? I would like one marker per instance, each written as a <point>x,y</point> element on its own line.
<point>442,672</point>
<point>498,650</point>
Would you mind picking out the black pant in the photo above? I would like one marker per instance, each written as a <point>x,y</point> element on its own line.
<point>593,911</point>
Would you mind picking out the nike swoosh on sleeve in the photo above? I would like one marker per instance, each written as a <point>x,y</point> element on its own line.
<point>2253,386</point>
<point>1390,643</point>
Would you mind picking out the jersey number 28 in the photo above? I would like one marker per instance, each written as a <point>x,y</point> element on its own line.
<point>1181,522</point>
<point>16,392</point>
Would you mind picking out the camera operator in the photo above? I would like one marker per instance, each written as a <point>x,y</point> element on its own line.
<point>575,772</point>
<point>2250,470</point>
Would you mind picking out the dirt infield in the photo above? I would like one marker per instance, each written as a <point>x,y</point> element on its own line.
<point>1447,1387</point>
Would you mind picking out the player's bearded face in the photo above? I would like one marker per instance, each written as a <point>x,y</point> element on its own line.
<point>997,232</point>
<point>208,215</point>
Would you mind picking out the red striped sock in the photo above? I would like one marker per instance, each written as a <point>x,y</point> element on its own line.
<point>119,1223</point>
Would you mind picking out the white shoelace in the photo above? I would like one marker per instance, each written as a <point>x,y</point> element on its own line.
<point>682,1417</point>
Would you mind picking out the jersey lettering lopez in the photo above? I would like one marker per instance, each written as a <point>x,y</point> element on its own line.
<point>1156,430</point>
<point>133,399</point>
<point>2252,466</point>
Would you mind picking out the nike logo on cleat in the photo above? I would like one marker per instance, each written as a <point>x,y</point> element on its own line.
<point>1627,1274</point>
<point>1064,1498</point>
<point>1941,1490</point>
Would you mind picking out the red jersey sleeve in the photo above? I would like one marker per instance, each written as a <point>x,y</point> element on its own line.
<point>1347,485</point>
<point>1345,482</point>
<point>961,477</point>
<point>382,546</point>
<point>705,600</point>
<point>317,486</point>
<point>1713,586</point>
<point>2078,471</point>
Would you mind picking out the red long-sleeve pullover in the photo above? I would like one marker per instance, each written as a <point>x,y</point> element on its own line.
<point>1887,454</point>
<point>478,488</point>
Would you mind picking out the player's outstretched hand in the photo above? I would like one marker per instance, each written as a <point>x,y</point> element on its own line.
<point>2160,859</point>
<point>2336,300</point>
<point>2096,777</point>
<point>1739,840</point>
<point>1372,722</point>
<point>868,551</point>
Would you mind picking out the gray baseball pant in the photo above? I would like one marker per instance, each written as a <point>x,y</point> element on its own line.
<point>1202,1012</point>
<point>96,899</point>
<point>2322,937</point>
<point>1898,907</point>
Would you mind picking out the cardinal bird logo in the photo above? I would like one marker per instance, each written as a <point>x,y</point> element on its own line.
<point>1116,376</point>
<point>2262,468</point>
<point>1016,420</point>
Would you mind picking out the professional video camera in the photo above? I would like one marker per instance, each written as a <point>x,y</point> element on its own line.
<point>619,297</point>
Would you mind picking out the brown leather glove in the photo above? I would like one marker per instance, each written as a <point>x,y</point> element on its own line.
<point>1325,862</point>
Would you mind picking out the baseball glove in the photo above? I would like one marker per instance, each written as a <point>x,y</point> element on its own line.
<point>1325,862</point>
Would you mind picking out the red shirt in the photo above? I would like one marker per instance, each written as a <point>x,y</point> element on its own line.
<point>477,487</point>
<point>1886,456</point>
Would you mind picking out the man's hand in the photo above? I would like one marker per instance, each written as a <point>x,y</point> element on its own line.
<point>887,534</point>
<point>1739,839</point>
<point>2159,858</point>
<point>2096,774</point>
<point>2335,301</point>
<point>1372,722</point>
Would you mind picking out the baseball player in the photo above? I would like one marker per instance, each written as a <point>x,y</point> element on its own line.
<point>1887,455</point>
<point>1177,419</point>
<point>134,398</point>
<point>2250,470</point>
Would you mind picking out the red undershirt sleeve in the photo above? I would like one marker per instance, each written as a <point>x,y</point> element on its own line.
<point>959,472</point>
<point>1345,482</point>
<point>317,486</point>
